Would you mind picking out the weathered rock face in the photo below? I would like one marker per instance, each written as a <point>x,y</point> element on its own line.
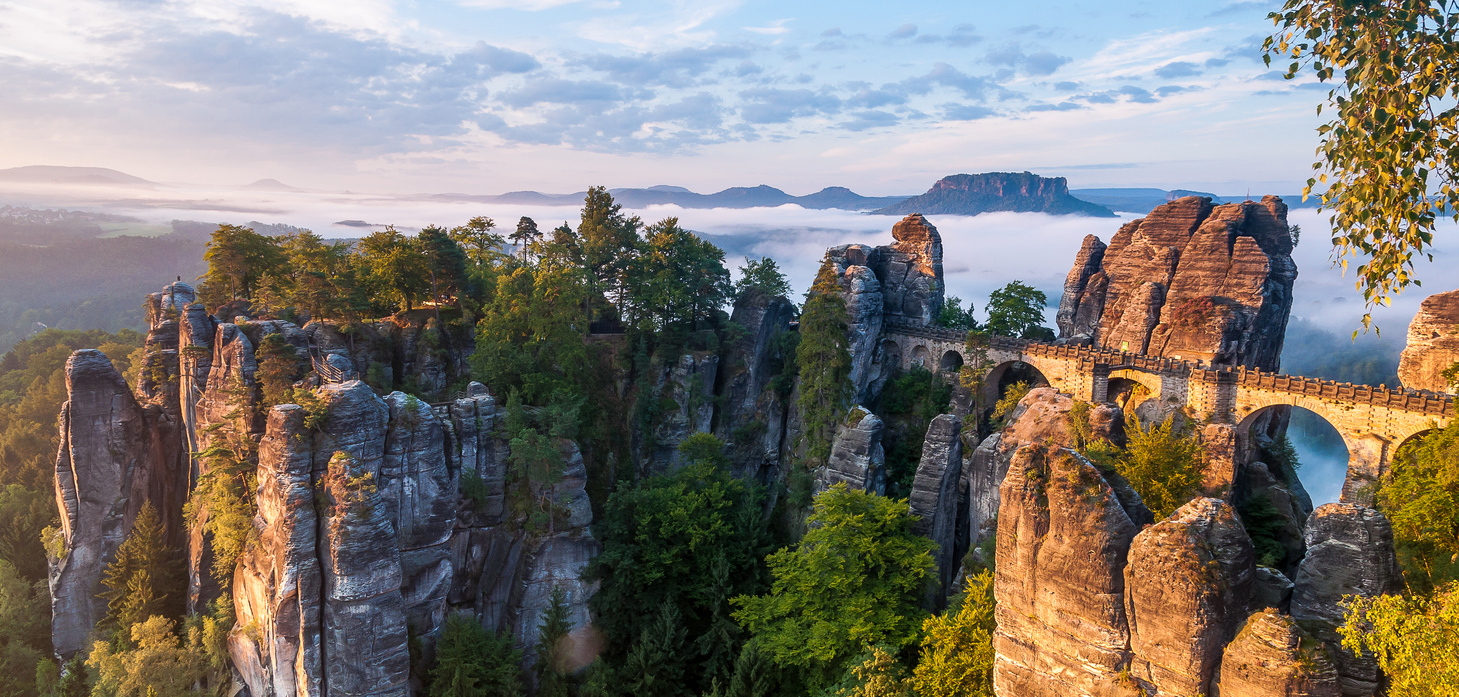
<point>1273,657</point>
<point>689,384</point>
<point>1191,280</point>
<point>103,472</point>
<point>865,306</point>
<point>1258,483</point>
<point>1187,587</point>
<point>752,413</point>
<point>1063,537</point>
<point>420,501</point>
<point>1433,344</point>
<point>1349,552</point>
<point>934,496</point>
<point>158,390</point>
<point>857,456</point>
<point>1041,417</point>
<point>910,271</point>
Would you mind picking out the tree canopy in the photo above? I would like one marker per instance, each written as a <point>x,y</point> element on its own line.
<point>1017,310</point>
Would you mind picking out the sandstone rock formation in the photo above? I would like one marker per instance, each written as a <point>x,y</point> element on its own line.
<point>103,476</point>
<point>1063,537</point>
<point>752,413</point>
<point>1433,344</point>
<point>865,306</point>
<point>687,383</point>
<point>935,497</point>
<point>1349,552</point>
<point>1041,417</point>
<point>1187,586</point>
<point>1193,280</point>
<point>1273,657</point>
<point>971,194</point>
<point>857,457</point>
<point>910,271</point>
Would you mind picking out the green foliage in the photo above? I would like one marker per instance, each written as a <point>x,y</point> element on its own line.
<point>472,662</point>
<point>877,674</point>
<point>143,580</point>
<point>691,539</point>
<point>676,278</point>
<point>655,667</point>
<point>279,365</point>
<point>222,503</point>
<point>155,662</point>
<point>1420,495</point>
<point>24,514</point>
<point>1416,640</point>
<point>536,469</point>
<point>1265,525</point>
<point>1386,154</point>
<point>25,630</point>
<point>754,673</point>
<point>447,264</point>
<point>397,269</point>
<point>1017,310</point>
<point>1003,409</point>
<point>552,647</point>
<point>854,582</point>
<point>764,275</point>
<point>1162,463</point>
<point>957,646</point>
<point>825,364</point>
<point>952,316</point>
<point>239,259</point>
<point>908,403</point>
<point>610,244</point>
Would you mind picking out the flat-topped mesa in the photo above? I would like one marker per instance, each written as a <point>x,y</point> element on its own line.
<point>1191,279</point>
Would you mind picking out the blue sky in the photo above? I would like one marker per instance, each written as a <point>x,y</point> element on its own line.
<point>484,96</point>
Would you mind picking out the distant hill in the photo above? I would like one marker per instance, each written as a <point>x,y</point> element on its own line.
<point>1145,200</point>
<point>1018,192</point>
<point>270,185</point>
<point>49,174</point>
<point>734,197</point>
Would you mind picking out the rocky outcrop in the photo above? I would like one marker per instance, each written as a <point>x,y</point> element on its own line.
<point>688,385</point>
<point>1259,490</point>
<point>1063,537</point>
<point>865,306</point>
<point>1349,552</point>
<point>1022,192</point>
<point>103,476</point>
<point>420,500</point>
<point>1043,416</point>
<point>159,392</point>
<point>752,410</point>
<point>1274,657</point>
<point>910,271</point>
<point>857,457</point>
<point>1433,344</point>
<point>1187,587</point>
<point>934,496</point>
<point>1192,280</point>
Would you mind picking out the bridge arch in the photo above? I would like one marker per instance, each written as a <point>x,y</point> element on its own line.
<point>950,363</point>
<point>1327,455</point>
<point>922,356</point>
<point>1005,375</point>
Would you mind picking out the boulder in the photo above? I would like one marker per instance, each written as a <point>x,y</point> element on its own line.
<point>910,272</point>
<point>1349,552</point>
<point>1187,586</point>
<point>1063,539</point>
<point>1271,589</point>
<point>1433,344</point>
<point>103,471</point>
<point>934,496</point>
<point>1273,657</point>
<point>1190,279</point>
<point>857,457</point>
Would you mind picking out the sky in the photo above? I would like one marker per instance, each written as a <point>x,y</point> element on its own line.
<point>486,96</point>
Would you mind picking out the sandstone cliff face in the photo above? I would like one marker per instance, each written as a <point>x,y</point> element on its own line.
<point>752,413</point>
<point>857,457</point>
<point>1433,344</point>
<point>910,271</point>
<point>1041,417</point>
<point>1193,280</point>
<point>971,194</point>
<point>1349,552</point>
<point>865,306</point>
<point>687,384</point>
<point>1273,657</point>
<point>1187,586</point>
<point>934,497</point>
<point>103,472</point>
<point>1063,538</point>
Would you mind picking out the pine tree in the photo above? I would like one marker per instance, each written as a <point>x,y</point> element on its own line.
<point>552,680</point>
<point>472,662</point>
<point>655,666</point>
<point>142,581</point>
<point>825,363</point>
<point>753,673</point>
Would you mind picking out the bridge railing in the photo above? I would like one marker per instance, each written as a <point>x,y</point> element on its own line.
<point>1394,398</point>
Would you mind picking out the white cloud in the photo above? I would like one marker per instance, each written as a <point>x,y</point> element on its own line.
<point>775,28</point>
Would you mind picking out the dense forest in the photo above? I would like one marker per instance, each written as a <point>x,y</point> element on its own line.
<point>708,583</point>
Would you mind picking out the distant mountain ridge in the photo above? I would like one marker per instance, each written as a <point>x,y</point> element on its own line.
<point>1017,192</point>
<point>733,197</point>
<point>52,174</point>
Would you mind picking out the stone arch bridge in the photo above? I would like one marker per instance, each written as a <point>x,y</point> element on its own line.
<point>1226,400</point>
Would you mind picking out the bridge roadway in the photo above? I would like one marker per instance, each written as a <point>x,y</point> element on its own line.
<point>1225,400</point>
